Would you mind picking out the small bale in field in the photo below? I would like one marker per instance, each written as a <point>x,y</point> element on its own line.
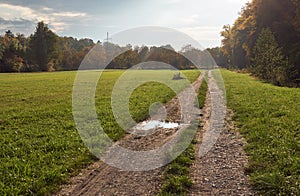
<point>177,77</point>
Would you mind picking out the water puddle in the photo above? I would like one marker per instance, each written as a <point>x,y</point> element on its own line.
<point>153,124</point>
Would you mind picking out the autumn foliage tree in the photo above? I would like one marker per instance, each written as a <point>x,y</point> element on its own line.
<point>282,18</point>
<point>46,51</point>
<point>42,51</point>
<point>12,52</point>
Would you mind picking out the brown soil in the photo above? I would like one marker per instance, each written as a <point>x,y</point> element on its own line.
<point>102,179</point>
<point>221,170</point>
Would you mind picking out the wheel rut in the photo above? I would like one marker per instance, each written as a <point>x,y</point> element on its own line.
<point>219,165</point>
<point>102,179</point>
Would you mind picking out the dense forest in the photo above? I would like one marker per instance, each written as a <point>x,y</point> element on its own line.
<point>265,40</point>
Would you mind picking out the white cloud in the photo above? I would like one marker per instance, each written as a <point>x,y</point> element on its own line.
<point>58,21</point>
<point>173,1</point>
<point>4,26</point>
<point>47,9</point>
<point>206,35</point>
<point>191,20</point>
<point>69,14</point>
<point>59,26</point>
<point>11,12</point>
<point>237,1</point>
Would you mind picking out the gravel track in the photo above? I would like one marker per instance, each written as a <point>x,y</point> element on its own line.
<point>102,179</point>
<point>219,168</point>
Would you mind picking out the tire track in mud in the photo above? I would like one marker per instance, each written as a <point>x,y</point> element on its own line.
<point>219,165</point>
<point>102,179</point>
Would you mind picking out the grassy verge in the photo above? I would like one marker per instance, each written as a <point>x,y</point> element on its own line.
<point>177,181</point>
<point>202,94</point>
<point>40,146</point>
<point>176,174</point>
<point>269,118</point>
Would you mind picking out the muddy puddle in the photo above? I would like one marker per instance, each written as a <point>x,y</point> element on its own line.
<point>154,124</point>
<point>151,126</point>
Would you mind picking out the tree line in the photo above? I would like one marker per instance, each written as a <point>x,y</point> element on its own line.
<point>41,51</point>
<point>265,40</point>
<point>46,51</point>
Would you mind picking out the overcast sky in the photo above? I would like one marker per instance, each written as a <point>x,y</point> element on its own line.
<point>200,19</point>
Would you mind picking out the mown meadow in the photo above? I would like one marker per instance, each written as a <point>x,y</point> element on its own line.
<point>40,146</point>
<point>269,118</point>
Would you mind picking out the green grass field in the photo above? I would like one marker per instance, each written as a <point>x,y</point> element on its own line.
<point>40,146</point>
<point>269,119</point>
<point>42,149</point>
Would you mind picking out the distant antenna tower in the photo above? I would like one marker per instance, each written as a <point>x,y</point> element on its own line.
<point>107,38</point>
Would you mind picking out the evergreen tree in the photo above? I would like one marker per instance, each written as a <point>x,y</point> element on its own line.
<point>282,18</point>
<point>43,45</point>
<point>269,63</point>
